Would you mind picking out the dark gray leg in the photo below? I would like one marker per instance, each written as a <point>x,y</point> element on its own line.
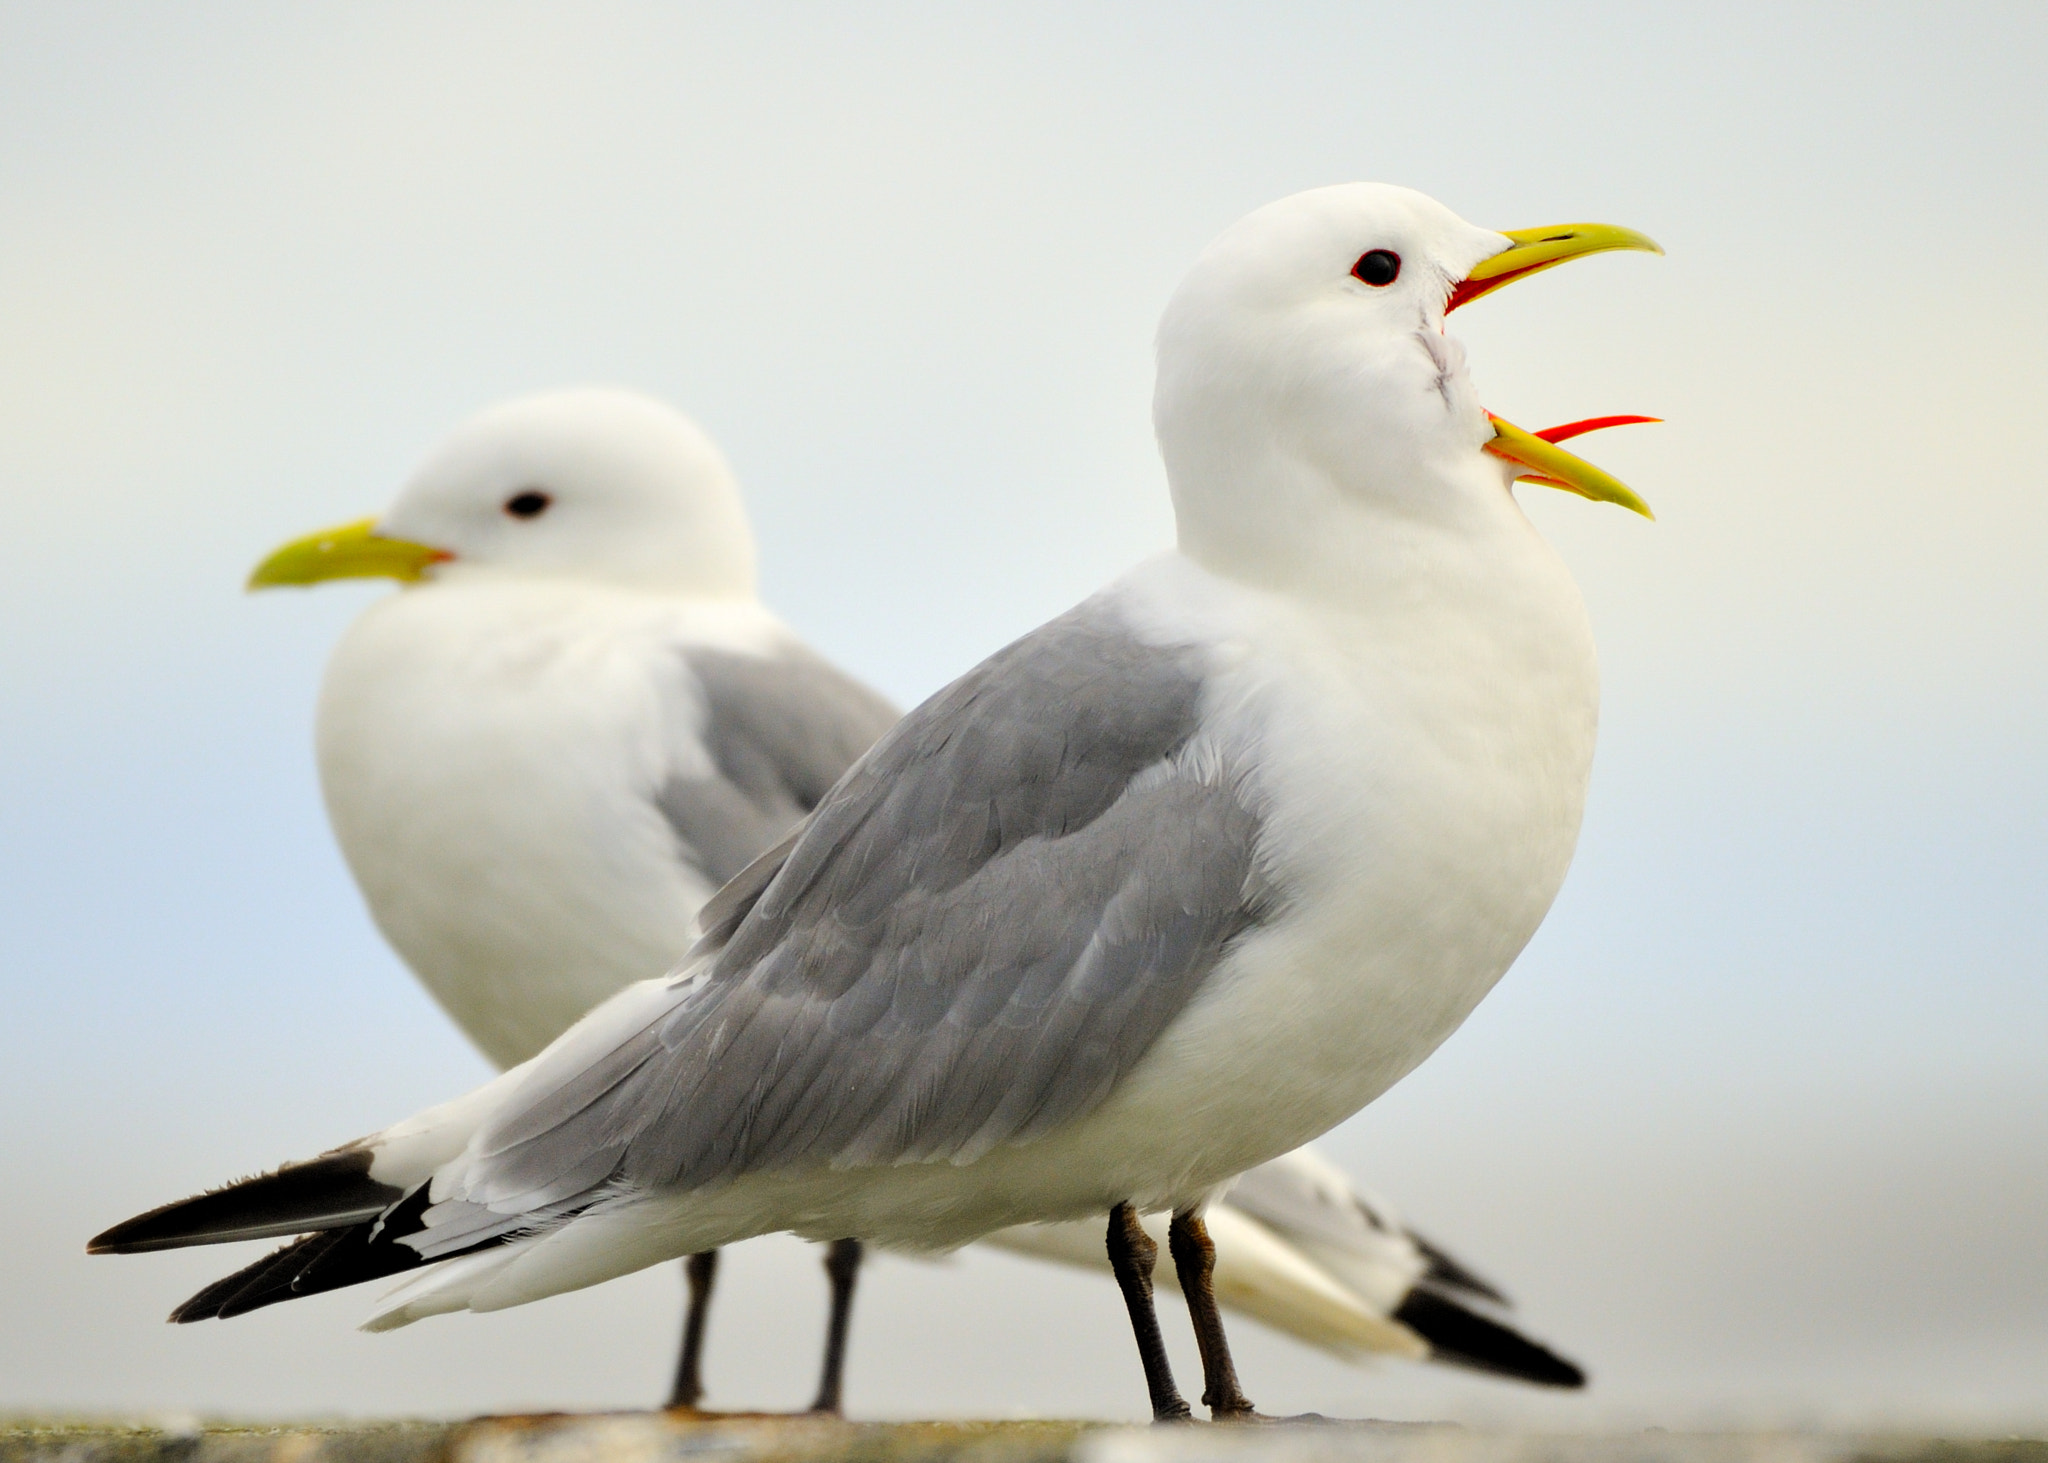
<point>1132,1256</point>
<point>842,1268</point>
<point>699,1271</point>
<point>1194,1261</point>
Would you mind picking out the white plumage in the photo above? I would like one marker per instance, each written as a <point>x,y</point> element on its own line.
<point>496,742</point>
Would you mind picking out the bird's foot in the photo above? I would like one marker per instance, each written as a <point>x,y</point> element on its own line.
<point>1227,1404</point>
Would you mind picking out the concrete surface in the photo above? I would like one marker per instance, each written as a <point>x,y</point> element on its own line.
<point>666,1438</point>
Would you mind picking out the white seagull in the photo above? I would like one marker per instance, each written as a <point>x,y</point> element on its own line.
<point>576,724</point>
<point>1147,899</point>
<point>578,720</point>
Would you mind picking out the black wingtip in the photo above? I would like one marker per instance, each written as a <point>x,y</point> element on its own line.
<point>264,1283</point>
<point>329,1260</point>
<point>1447,1272</point>
<point>1465,1338</point>
<point>325,1193</point>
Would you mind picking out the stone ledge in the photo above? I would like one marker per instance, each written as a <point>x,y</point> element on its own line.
<point>655,1437</point>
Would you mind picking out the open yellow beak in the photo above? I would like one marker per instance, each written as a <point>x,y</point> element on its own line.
<point>1537,454</point>
<point>1531,250</point>
<point>1543,461</point>
<point>352,551</point>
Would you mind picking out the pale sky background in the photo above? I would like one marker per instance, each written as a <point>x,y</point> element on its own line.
<point>1758,1128</point>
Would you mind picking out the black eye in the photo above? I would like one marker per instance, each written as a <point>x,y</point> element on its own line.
<point>529,504</point>
<point>1378,267</point>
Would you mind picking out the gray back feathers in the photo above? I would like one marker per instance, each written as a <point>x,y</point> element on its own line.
<point>977,933</point>
<point>780,732</point>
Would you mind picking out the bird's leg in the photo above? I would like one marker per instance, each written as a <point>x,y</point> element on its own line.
<point>842,1267</point>
<point>1194,1261</point>
<point>699,1271</point>
<point>1132,1256</point>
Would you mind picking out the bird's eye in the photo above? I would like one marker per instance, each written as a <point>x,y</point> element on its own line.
<point>1378,267</point>
<point>528,504</point>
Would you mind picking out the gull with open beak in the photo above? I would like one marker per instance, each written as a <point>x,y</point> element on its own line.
<point>1159,892</point>
<point>545,754</point>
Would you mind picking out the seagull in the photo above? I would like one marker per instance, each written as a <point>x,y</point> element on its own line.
<point>1152,896</point>
<point>483,745</point>
<point>574,724</point>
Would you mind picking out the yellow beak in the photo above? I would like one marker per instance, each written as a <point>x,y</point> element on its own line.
<point>1547,463</point>
<point>352,551</point>
<point>1531,250</point>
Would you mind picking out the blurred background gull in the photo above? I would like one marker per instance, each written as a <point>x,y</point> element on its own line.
<point>1756,1126</point>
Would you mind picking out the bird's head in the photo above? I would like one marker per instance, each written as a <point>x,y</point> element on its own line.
<point>592,483</point>
<point>1307,343</point>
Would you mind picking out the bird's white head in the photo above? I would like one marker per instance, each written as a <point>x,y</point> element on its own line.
<point>591,484</point>
<point>1304,376</point>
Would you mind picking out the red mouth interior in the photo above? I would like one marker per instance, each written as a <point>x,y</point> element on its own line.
<point>1465,291</point>
<point>1590,424</point>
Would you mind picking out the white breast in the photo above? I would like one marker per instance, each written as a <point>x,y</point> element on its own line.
<point>488,754</point>
<point>1421,770</point>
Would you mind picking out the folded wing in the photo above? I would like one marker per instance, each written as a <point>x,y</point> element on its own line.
<point>777,732</point>
<point>973,937</point>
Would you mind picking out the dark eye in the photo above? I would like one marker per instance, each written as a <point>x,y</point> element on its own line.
<point>1378,267</point>
<point>529,504</point>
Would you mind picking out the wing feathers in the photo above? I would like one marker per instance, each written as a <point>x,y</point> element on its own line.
<point>1462,1337</point>
<point>253,1286</point>
<point>977,933</point>
<point>328,1191</point>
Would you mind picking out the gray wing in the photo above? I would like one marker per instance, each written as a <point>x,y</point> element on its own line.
<point>780,731</point>
<point>976,934</point>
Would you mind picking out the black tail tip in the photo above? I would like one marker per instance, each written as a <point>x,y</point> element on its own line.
<point>312,1264</point>
<point>1447,1272</point>
<point>1461,1337</point>
<point>323,1193</point>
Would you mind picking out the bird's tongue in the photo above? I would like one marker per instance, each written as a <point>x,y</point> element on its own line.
<point>1589,424</point>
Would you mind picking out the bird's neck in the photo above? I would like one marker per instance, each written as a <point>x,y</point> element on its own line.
<point>1287,525</point>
